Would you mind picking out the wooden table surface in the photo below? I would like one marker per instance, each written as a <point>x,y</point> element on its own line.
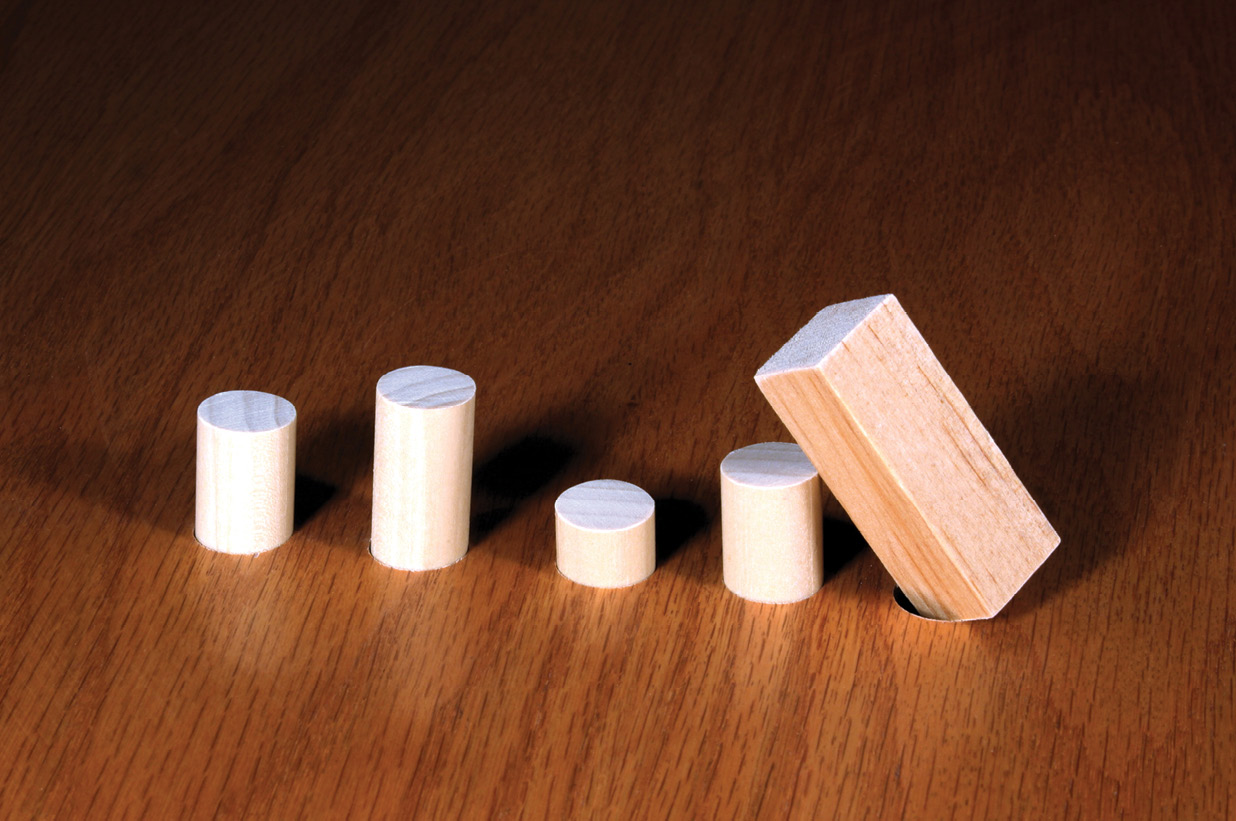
<point>609,214</point>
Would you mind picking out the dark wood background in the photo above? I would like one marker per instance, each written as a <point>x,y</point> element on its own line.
<point>609,214</point>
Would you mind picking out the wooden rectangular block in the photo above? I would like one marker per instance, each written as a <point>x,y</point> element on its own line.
<point>899,446</point>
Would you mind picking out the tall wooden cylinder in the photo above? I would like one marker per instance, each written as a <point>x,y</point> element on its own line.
<point>606,534</point>
<point>422,467</point>
<point>246,471</point>
<point>771,523</point>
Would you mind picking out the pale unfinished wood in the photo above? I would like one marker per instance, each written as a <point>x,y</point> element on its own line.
<point>246,471</point>
<point>422,467</point>
<point>898,445</point>
<point>605,533</point>
<point>771,523</point>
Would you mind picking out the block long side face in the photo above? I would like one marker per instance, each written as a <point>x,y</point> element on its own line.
<point>941,453</point>
<point>879,506</point>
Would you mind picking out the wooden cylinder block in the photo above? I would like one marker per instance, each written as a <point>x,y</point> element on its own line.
<point>422,467</point>
<point>606,534</point>
<point>771,523</point>
<point>246,471</point>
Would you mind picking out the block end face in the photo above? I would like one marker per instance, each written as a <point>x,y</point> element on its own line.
<point>821,336</point>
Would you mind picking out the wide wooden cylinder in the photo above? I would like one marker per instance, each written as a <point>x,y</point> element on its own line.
<point>422,467</point>
<point>771,523</point>
<point>605,534</point>
<point>246,471</point>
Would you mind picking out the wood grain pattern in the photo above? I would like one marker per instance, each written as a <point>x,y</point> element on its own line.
<point>898,444</point>
<point>607,214</point>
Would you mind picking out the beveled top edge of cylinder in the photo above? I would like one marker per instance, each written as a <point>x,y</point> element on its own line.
<point>426,387</point>
<point>768,465</point>
<point>246,411</point>
<point>605,505</point>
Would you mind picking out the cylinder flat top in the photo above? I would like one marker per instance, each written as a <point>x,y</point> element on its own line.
<point>768,464</point>
<point>427,386</point>
<point>246,411</point>
<point>604,504</point>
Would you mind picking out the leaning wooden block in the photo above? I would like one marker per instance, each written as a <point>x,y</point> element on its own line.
<point>898,445</point>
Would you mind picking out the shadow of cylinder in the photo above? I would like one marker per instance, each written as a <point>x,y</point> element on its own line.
<point>678,522</point>
<point>511,476</point>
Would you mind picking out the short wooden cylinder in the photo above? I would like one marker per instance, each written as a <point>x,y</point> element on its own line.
<point>422,467</point>
<point>246,471</point>
<point>606,534</point>
<point>771,523</point>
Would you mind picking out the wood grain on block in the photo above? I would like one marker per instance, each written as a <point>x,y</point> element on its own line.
<point>422,467</point>
<point>898,445</point>
<point>605,533</point>
<point>246,471</point>
<point>771,523</point>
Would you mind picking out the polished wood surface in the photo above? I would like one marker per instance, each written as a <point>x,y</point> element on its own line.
<point>609,215</point>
